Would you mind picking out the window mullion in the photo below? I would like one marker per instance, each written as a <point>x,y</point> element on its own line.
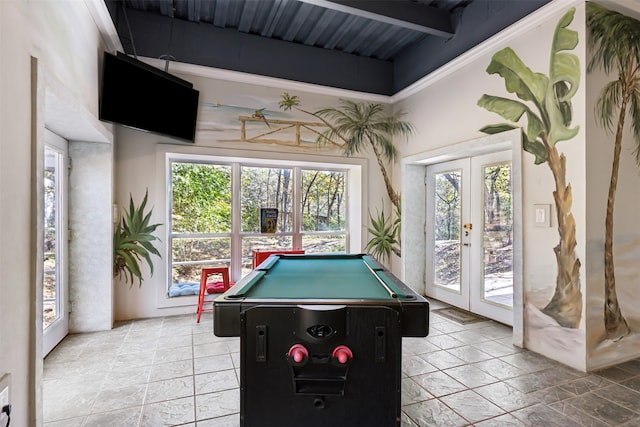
<point>296,207</point>
<point>236,223</point>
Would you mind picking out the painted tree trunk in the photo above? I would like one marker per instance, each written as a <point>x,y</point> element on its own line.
<point>614,323</point>
<point>393,196</point>
<point>566,304</point>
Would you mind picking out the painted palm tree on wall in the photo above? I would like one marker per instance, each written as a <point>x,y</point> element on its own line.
<point>358,127</point>
<point>615,44</point>
<point>551,123</point>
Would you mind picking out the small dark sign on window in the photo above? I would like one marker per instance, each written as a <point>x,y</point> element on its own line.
<point>268,220</point>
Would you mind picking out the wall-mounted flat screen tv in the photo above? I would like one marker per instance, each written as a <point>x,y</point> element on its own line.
<point>140,96</point>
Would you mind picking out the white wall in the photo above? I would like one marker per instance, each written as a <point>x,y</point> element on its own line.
<point>445,112</point>
<point>63,37</point>
<point>444,108</point>
<point>140,165</point>
<point>90,248</point>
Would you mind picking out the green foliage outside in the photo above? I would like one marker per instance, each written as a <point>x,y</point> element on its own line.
<point>201,203</point>
<point>498,198</point>
<point>447,207</point>
<point>201,198</point>
<point>202,210</point>
<point>323,200</point>
<point>263,187</point>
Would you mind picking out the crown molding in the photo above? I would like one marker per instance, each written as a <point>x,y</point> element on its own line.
<point>247,78</point>
<point>102,18</point>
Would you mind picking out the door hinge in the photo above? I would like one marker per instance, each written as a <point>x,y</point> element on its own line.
<point>69,234</point>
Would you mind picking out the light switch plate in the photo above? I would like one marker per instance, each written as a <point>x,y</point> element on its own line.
<point>542,215</point>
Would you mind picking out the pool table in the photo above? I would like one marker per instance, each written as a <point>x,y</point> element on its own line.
<point>320,340</point>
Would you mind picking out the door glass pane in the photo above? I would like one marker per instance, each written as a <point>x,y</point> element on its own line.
<point>447,217</point>
<point>52,182</point>
<point>497,235</point>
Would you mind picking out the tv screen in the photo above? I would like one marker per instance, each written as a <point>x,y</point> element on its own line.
<point>143,97</point>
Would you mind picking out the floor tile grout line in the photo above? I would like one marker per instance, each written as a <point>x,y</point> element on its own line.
<point>522,363</point>
<point>193,372</point>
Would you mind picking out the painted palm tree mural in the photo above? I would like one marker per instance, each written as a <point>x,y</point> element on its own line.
<point>545,101</point>
<point>356,128</point>
<point>615,44</point>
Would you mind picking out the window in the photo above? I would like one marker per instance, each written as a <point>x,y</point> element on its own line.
<point>323,207</point>
<point>200,218</point>
<point>215,212</point>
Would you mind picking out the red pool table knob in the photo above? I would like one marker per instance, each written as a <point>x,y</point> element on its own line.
<point>298,353</point>
<point>342,353</point>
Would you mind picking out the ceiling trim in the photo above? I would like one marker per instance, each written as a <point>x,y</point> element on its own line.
<point>98,10</point>
<point>100,14</point>
<point>255,79</point>
<point>516,29</point>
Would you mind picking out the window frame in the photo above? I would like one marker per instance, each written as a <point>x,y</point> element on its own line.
<point>355,196</point>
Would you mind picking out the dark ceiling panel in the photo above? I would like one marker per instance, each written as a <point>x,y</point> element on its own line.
<point>479,21</point>
<point>377,46</point>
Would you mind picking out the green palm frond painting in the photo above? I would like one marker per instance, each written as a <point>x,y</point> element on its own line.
<point>385,236</point>
<point>357,127</point>
<point>132,243</point>
<point>544,103</point>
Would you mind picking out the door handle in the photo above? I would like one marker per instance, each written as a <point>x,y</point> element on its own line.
<point>466,244</point>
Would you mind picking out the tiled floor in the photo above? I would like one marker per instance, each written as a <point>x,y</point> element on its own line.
<point>173,372</point>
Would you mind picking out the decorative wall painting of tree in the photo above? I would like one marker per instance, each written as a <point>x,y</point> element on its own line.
<point>551,123</point>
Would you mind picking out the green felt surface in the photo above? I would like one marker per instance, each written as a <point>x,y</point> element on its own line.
<point>302,277</point>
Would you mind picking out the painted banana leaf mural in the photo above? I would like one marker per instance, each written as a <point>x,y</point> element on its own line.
<point>545,102</point>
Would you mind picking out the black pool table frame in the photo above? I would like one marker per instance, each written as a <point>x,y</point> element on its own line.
<point>295,373</point>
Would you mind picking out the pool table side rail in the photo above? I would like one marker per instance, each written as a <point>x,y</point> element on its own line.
<point>413,308</point>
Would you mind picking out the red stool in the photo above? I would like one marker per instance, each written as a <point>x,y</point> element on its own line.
<point>206,272</point>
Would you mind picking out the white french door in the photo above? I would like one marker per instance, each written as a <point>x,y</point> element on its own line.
<point>55,295</point>
<point>469,230</point>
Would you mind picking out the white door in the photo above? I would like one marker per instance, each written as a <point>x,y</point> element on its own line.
<point>469,235</point>
<point>55,284</point>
